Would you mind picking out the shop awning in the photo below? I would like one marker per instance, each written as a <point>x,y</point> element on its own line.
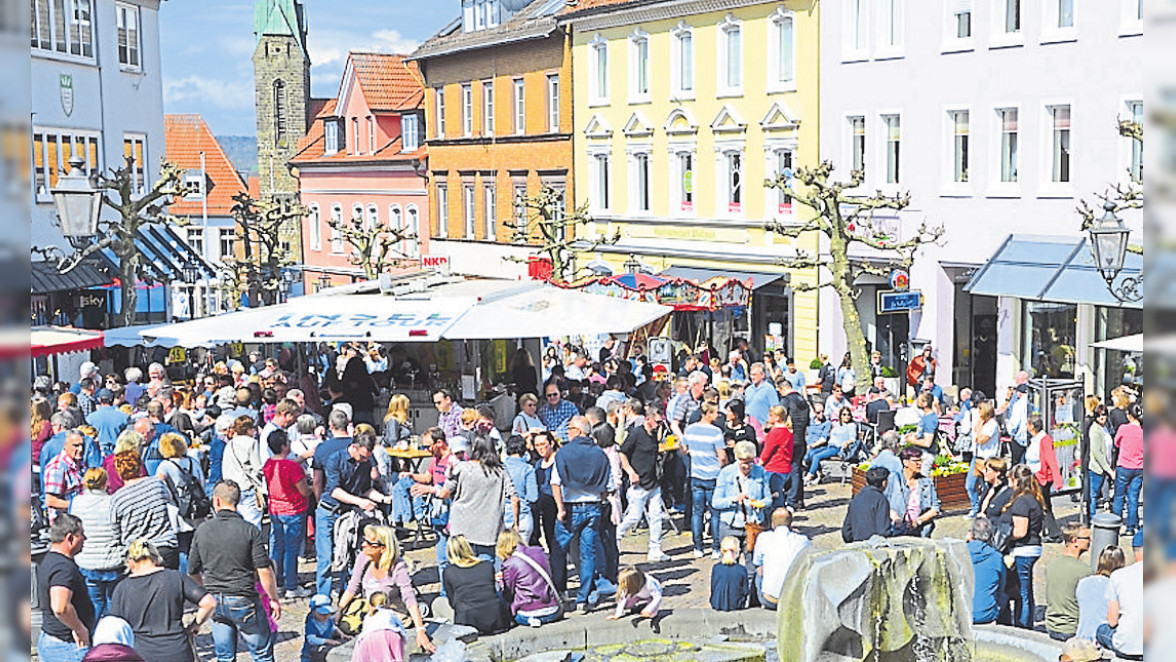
<point>130,336</point>
<point>46,278</point>
<point>1048,268</point>
<point>702,274</point>
<point>461,311</point>
<point>46,340</point>
<point>164,254</point>
<point>1132,343</point>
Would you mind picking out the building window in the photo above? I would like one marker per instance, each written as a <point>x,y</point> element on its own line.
<point>442,211</point>
<point>519,191</point>
<point>857,143</point>
<point>730,56</point>
<point>685,181</point>
<point>336,234</point>
<point>467,110</point>
<point>682,73</point>
<point>959,157</point>
<point>280,124</point>
<point>1064,16</point>
<point>783,159</point>
<point>553,103</point>
<point>639,66</point>
<point>373,218</point>
<point>228,242</point>
<point>410,132</point>
<point>357,217</point>
<point>412,245</point>
<point>487,108</point>
<point>782,47</point>
<point>960,19</point>
<point>891,24</point>
<point>395,219</point>
<point>1135,112</point>
<point>371,129</point>
<point>52,150</point>
<point>331,130</point>
<point>640,185</point>
<point>490,211</point>
<point>1059,143</point>
<point>127,21</point>
<point>196,240</point>
<point>734,181</point>
<point>600,182</point>
<point>469,206</point>
<point>519,106</point>
<point>195,183</point>
<point>354,136</point>
<point>135,153</point>
<point>892,124</point>
<point>598,70</point>
<point>856,27</point>
<point>63,26</point>
<point>316,229</point>
<point>1049,327</point>
<point>439,102</point>
<point>1011,16</point>
<point>1008,144</point>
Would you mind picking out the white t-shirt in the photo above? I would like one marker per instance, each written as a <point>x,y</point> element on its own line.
<point>1160,598</point>
<point>1126,588</point>
<point>775,551</point>
<point>991,449</point>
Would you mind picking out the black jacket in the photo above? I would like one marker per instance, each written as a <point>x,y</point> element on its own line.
<point>868,515</point>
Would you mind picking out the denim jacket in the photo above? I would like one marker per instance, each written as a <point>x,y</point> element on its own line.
<point>727,488</point>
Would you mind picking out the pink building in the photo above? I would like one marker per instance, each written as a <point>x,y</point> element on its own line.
<point>364,157</point>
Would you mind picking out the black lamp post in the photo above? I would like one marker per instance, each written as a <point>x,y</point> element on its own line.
<point>1108,245</point>
<point>190,273</point>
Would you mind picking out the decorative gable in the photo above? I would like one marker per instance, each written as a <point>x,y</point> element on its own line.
<point>728,121</point>
<point>598,129</point>
<point>681,123</point>
<point>780,118</point>
<point>638,126</point>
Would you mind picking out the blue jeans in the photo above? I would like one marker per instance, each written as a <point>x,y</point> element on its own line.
<point>100,586</point>
<point>1158,516</point>
<point>1105,637</point>
<point>1095,481</point>
<point>972,484</point>
<point>701,493</point>
<point>442,556</point>
<point>551,618</point>
<point>584,523</point>
<point>1025,607</point>
<point>405,507</point>
<point>1128,483</point>
<point>245,616</point>
<point>324,549</point>
<point>286,533</point>
<point>484,552</point>
<point>52,649</point>
<point>248,508</point>
<point>778,485</point>
<point>819,454</point>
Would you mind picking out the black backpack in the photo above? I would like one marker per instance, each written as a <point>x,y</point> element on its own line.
<point>193,503</point>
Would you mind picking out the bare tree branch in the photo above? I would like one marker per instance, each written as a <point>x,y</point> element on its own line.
<point>555,233</point>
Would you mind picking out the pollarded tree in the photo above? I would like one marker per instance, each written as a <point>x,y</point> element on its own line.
<point>846,219</point>
<point>555,232</point>
<point>259,225</point>
<point>375,246</point>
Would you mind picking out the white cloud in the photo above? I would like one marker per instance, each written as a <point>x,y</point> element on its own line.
<point>219,93</point>
<point>329,48</point>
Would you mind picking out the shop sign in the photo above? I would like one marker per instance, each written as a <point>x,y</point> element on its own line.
<point>899,302</point>
<point>91,300</point>
<point>900,280</point>
<point>361,320</point>
<point>438,262</point>
<point>177,355</point>
<point>65,85</point>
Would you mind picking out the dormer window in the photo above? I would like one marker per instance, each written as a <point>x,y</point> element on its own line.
<point>410,132</point>
<point>480,14</point>
<point>333,134</point>
<point>196,184</point>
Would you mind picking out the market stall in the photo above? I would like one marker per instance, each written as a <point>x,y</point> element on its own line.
<point>50,340</point>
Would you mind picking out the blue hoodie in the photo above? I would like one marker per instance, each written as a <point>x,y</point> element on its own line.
<point>988,565</point>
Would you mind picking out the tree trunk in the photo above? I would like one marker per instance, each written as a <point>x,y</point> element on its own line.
<point>855,338</point>
<point>128,286</point>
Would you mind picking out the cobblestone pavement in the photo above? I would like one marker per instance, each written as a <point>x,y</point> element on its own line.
<point>685,580</point>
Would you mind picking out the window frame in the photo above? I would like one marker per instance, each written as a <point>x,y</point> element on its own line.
<point>734,181</point>
<point>314,225</point>
<point>371,128</point>
<point>1051,31</point>
<point>952,42</point>
<point>1001,36</point>
<point>727,29</point>
<point>776,22</point>
<point>410,132</point>
<point>782,206</point>
<point>598,74</point>
<point>553,102</point>
<point>599,180</point>
<point>855,46</point>
<point>61,46</point>
<point>124,11</point>
<point>488,107</point>
<point>441,195</point>
<point>439,108</point>
<point>337,243</point>
<point>45,175</point>
<point>412,220</point>
<point>641,182</point>
<point>139,173</point>
<point>1057,134</point>
<point>194,237</point>
<point>518,106</point>
<point>678,193</point>
<point>226,236</point>
<point>998,187</point>
<point>1131,145</point>
<point>330,137</point>
<point>889,24</point>
<point>371,219</point>
<point>680,34</point>
<point>489,210</point>
<point>469,210</point>
<point>467,110</point>
<point>1130,18</point>
<point>951,185</point>
<point>857,154</point>
<point>892,168</point>
<point>639,67</point>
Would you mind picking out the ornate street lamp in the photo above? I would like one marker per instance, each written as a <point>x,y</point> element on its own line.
<point>190,273</point>
<point>632,265</point>
<point>1108,245</point>
<point>78,202</point>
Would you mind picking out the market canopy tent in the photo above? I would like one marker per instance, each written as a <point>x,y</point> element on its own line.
<point>465,310</point>
<point>47,340</point>
<point>1132,343</point>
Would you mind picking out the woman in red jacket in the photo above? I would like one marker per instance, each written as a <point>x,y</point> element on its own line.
<point>1043,460</point>
<point>776,457</point>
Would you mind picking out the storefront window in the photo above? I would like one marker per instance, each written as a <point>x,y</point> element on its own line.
<point>1112,368</point>
<point>1050,331</point>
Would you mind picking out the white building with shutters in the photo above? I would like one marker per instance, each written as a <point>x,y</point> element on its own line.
<point>97,91</point>
<point>998,116</point>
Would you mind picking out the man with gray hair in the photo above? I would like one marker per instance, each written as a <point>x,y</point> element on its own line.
<point>87,370</point>
<point>887,458</point>
<point>62,423</point>
<point>688,402</point>
<point>989,569</point>
<point>63,474</point>
<point>134,388</point>
<point>222,433</point>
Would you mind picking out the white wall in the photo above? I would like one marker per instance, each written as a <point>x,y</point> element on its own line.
<point>106,99</point>
<point>1095,70</point>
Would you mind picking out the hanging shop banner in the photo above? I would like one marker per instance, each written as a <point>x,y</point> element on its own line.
<point>681,293</point>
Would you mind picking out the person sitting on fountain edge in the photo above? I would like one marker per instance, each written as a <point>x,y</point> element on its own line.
<point>989,569</point>
<point>868,514</point>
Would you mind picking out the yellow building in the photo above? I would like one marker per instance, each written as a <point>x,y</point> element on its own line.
<point>681,113</point>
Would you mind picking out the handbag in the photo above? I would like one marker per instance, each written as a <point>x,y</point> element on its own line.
<point>752,530</point>
<point>1002,536</point>
<point>351,620</point>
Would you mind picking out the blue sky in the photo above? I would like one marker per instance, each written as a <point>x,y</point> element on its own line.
<point>207,46</point>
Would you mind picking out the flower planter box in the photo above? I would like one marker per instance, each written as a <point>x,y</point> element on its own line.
<point>952,490</point>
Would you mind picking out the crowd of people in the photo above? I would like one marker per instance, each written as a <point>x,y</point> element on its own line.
<point>155,495</point>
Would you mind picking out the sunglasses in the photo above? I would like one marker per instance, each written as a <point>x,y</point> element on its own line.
<point>553,395</point>
<point>372,543</point>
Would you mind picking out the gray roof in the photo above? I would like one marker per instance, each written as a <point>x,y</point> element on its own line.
<point>534,21</point>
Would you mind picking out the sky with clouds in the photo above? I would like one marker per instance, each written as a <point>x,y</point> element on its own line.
<point>207,46</point>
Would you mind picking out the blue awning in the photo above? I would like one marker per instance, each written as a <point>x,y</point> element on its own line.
<point>1047,268</point>
<point>163,254</point>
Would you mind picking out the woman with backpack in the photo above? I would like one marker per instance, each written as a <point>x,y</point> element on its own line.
<point>185,478</point>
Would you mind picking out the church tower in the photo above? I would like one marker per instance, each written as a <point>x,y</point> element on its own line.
<point>281,79</point>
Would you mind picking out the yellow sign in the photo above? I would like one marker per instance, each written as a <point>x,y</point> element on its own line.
<point>500,356</point>
<point>178,355</point>
<point>237,349</point>
<point>445,355</point>
<point>683,233</point>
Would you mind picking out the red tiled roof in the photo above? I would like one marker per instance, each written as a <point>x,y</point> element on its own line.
<point>388,82</point>
<point>186,136</point>
<point>255,187</point>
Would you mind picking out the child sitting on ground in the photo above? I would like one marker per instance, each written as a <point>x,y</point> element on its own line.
<point>383,632</point>
<point>636,589</point>
<point>321,631</point>
<point>730,584</point>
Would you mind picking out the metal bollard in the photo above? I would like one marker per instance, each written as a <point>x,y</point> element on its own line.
<point>1104,532</point>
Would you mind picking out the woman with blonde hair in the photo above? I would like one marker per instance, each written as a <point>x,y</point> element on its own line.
<point>526,581</point>
<point>776,456</point>
<point>469,585</point>
<point>730,582</point>
<point>128,441</point>
<point>101,560</point>
<point>40,426</point>
<point>178,470</point>
<point>380,568</point>
<point>527,419</point>
<point>396,427</point>
<point>985,445</point>
<point>151,600</point>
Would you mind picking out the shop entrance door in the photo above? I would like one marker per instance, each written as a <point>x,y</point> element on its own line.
<point>893,341</point>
